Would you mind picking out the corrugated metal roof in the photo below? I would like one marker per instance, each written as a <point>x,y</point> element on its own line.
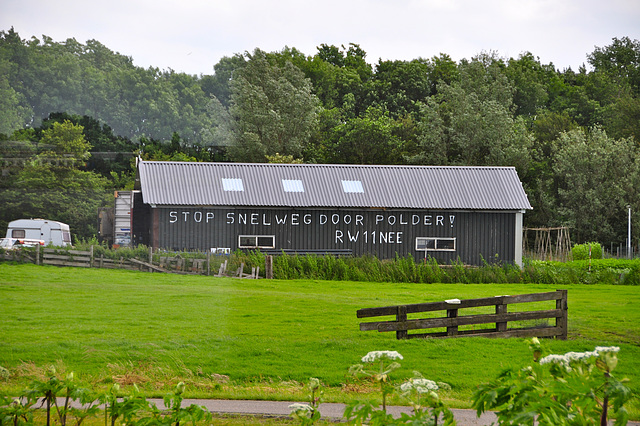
<point>414,187</point>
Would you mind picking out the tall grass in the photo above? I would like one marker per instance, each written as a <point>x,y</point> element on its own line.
<point>407,270</point>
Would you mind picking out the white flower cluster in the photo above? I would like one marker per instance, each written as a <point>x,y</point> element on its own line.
<point>556,359</point>
<point>606,349</point>
<point>566,359</point>
<point>419,385</point>
<point>300,409</point>
<point>374,356</point>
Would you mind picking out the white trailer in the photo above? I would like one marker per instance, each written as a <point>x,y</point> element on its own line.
<point>49,231</point>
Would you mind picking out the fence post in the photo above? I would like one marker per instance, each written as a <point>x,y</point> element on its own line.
<point>501,308</point>
<point>208,262</point>
<point>91,257</point>
<point>562,320</point>
<point>401,316</point>
<point>38,254</point>
<point>452,331</point>
<point>268,266</point>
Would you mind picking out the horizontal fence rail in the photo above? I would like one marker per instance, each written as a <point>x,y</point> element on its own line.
<point>83,259</point>
<point>168,263</point>
<point>453,321</point>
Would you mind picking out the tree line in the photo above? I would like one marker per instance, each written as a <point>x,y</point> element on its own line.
<point>572,135</point>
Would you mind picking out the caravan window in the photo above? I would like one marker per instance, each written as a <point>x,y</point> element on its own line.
<point>17,233</point>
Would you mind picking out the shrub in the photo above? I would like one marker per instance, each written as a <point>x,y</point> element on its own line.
<point>581,251</point>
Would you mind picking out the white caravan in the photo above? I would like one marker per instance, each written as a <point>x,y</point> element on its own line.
<point>49,231</point>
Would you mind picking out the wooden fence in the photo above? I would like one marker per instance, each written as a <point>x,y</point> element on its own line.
<point>83,259</point>
<point>454,320</point>
<point>176,263</point>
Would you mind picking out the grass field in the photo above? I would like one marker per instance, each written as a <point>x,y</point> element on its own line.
<point>229,338</point>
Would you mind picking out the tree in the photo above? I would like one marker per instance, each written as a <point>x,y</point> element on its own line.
<point>471,121</point>
<point>272,110</point>
<point>65,141</point>
<point>398,86</point>
<point>370,139</point>
<point>110,153</point>
<point>570,95</point>
<point>51,186</point>
<point>445,70</point>
<point>12,112</point>
<point>596,177</point>
<point>621,118</point>
<point>530,79</point>
<point>621,60</point>
<point>217,85</point>
<point>64,194</point>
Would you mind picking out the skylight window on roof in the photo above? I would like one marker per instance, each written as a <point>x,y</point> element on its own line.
<point>352,186</point>
<point>232,184</point>
<point>292,185</point>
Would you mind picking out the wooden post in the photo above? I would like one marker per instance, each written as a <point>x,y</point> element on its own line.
<point>501,308</point>
<point>91,257</point>
<point>38,254</point>
<point>150,258</point>
<point>562,321</point>
<point>208,262</point>
<point>452,331</point>
<point>401,316</point>
<point>268,260</point>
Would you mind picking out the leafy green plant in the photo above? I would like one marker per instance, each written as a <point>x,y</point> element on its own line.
<point>308,414</point>
<point>123,410</point>
<point>576,388</point>
<point>69,389</point>
<point>378,368</point>
<point>48,389</point>
<point>427,406</point>
<point>176,414</point>
<point>586,251</point>
<point>421,393</point>
<point>16,411</point>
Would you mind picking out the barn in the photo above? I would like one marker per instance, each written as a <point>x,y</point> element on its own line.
<point>467,214</point>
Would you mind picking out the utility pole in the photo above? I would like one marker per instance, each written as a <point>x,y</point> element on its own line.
<point>629,235</point>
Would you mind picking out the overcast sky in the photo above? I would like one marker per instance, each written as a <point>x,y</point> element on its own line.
<point>193,35</point>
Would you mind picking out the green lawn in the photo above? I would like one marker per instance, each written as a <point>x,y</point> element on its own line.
<point>267,336</point>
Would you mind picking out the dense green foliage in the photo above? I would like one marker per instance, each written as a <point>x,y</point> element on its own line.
<point>586,251</point>
<point>577,388</point>
<point>406,270</point>
<point>572,134</point>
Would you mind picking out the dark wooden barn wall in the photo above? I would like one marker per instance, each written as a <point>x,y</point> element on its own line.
<point>383,233</point>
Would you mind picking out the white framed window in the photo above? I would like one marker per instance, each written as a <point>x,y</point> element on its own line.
<point>292,185</point>
<point>352,187</point>
<point>256,241</point>
<point>232,184</point>
<point>435,244</point>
